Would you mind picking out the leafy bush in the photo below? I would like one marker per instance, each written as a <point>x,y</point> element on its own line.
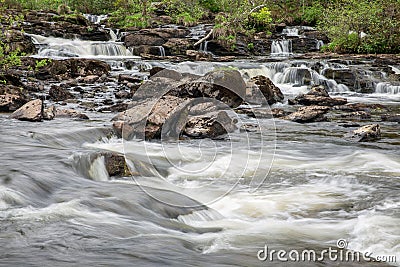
<point>362,26</point>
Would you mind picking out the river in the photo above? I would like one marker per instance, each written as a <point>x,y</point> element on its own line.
<point>198,202</point>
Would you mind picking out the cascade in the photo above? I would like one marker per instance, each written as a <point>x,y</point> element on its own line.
<point>281,47</point>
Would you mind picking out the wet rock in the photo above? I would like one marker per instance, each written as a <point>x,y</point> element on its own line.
<point>366,133</point>
<point>116,165</point>
<point>129,78</point>
<point>356,115</point>
<point>70,113</point>
<point>72,68</point>
<point>317,96</point>
<point>177,46</point>
<point>118,107</point>
<point>361,107</point>
<point>308,114</point>
<point>146,118</point>
<point>261,89</point>
<point>198,55</point>
<point>226,86</point>
<point>209,125</point>
<point>11,102</point>
<point>122,94</point>
<point>153,37</point>
<point>91,79</point>
<point>263,113</point>
<point>391,118</point>
<point>57,93</point>
<point>16,40</point>
<point>155,70</point>
<point>31,111</point>
<point>49,113</point>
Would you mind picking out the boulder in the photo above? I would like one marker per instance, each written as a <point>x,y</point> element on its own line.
<point>308,114</point>
<point>70,113</point>
<point>31,111</point>
<point>317,96</point>
<point>90,79</point>
<point>146,119</point>
<point>226,86</point>
<point>210,125</point>
<point>365,133</point>
<point>261,89</point>
<point>361,107</point>
<point>11,102</point>
<point>58,93</point>
<point>115,165</point>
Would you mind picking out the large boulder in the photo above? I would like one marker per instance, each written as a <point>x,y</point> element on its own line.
<point>261,89</point>
<point>366,133</point>
<point>226,86</point>
<point>31,111</point>
<point>317,96</point>
<point>210,125</point>
<point>308,114</point>
<point>146,119</point>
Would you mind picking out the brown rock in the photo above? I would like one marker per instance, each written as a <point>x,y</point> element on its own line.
<point>31,111</point>
<point>317,96</point>
<point>70,113</point>
<point>366,133</point>
<point>11,102</point>
<point>261,89</point>
<point>308,114</point>
<point>209,125</point>
<point>58,93</point>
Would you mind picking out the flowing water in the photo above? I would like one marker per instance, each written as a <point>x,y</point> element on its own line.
<point>199,202</point>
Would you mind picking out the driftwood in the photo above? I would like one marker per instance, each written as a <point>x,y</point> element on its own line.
<point>204,38</point>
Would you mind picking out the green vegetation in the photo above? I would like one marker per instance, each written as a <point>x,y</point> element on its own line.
<point>362,26</point>
<point>354,26</point>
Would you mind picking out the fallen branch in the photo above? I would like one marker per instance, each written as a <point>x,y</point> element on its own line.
<point>204,38</point>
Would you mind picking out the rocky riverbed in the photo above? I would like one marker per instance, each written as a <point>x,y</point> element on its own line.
<point>151,138</point>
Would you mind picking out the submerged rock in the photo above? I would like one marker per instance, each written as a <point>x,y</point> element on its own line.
<point>308,114</point>
<point>317,96</point>
<point>31,111</point>
<point>391,118</point>
<point>366,133</point>
<point>261,89</point>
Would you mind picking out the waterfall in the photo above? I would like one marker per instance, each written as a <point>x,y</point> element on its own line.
<point>281,47</point>
<point>197,32</point>
<point>59,47</point>
<point>291,31</point>
<point>113,35</point>
<point>204,47</point>
<point>387,88</point>
<point>95,19</point>
<point>320,43</point>
<point>162,51</point>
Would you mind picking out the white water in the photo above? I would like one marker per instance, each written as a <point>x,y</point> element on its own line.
<point>387,88</point>
<point>281,47</point>
<point>58,47</point>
